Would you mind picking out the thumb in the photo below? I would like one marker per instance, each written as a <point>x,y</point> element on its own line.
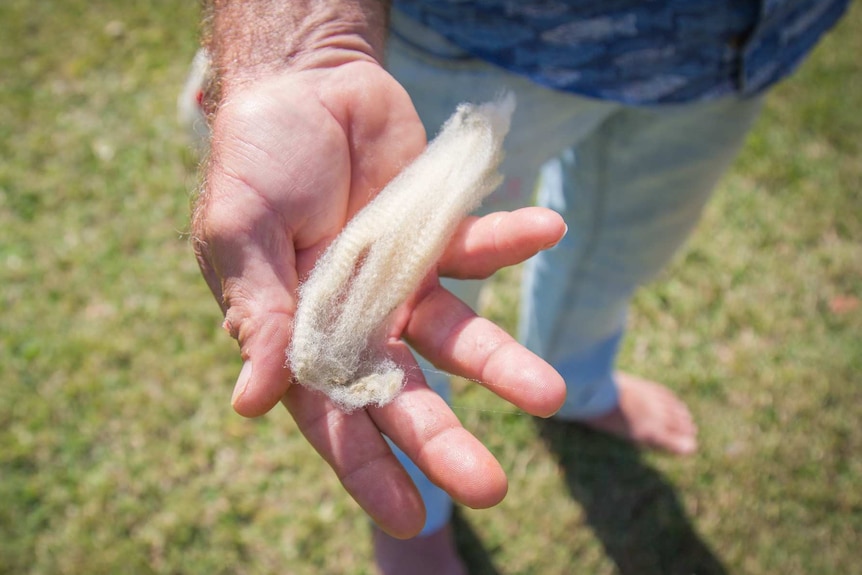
<point>263,338</point>
<point>248,261</point>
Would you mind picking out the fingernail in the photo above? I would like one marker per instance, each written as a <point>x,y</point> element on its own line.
<point>242,381</point>
<point>557,241</point>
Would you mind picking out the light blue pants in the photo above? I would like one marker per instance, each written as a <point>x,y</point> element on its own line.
<point>630,182</point>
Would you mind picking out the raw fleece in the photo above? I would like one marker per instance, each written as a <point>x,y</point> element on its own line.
<point>384,253</point>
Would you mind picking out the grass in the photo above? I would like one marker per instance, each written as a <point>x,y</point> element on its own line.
<point>119,452</point>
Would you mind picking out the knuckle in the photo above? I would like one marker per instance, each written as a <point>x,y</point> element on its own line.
<point>237,304</point>
<point>221,221</point>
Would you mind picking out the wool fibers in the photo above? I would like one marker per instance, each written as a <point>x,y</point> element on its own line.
<point>384,253</point>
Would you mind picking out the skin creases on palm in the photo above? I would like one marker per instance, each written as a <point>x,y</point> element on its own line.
<point>379,260</point>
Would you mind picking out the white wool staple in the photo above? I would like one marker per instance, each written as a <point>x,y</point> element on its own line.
<point>384,253</point>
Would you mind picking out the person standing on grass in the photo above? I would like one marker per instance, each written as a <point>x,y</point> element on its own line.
<point>628,114</point>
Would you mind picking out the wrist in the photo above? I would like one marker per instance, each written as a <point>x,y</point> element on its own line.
<point>251,40</point>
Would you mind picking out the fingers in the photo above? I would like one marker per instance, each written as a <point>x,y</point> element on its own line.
<point>362,460</point>
<point>452,337</point>
<point>263,379</point>
<point>425,428</point>
<point>481,246</point>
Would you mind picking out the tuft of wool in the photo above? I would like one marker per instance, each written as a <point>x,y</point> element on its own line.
<point>384,253</point>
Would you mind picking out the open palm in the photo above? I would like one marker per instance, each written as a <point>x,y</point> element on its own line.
<point>293,158</point>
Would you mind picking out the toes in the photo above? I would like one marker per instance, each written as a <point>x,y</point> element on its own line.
<point>681,441</point>
<point>657,417</point>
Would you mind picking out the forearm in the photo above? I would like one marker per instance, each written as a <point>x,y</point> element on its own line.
<point>249,39</point>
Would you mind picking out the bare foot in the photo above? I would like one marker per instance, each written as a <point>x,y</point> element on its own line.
<point>649,414</point>
<point>433,554</point>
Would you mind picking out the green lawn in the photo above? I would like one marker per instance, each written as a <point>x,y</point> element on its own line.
<point>119,452</point>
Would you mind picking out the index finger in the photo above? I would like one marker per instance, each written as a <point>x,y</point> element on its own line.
<point>483,245</point>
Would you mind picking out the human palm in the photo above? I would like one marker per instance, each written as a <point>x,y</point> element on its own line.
<point>293,158</point>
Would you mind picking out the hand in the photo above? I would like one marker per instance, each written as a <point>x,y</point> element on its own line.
<point>293,157</point>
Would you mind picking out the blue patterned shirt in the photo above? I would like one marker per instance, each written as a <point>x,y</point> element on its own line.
<point>637,51</point>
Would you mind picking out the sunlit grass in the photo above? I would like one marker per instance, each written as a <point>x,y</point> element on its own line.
<point>119,452</point>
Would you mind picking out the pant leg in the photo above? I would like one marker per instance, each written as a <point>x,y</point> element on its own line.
<point>631,193</point>
<point>438,77</point>
<point>544,123</point>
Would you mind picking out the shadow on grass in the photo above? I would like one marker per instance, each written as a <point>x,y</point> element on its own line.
<point>631,508</point>
<point>470,547</point>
